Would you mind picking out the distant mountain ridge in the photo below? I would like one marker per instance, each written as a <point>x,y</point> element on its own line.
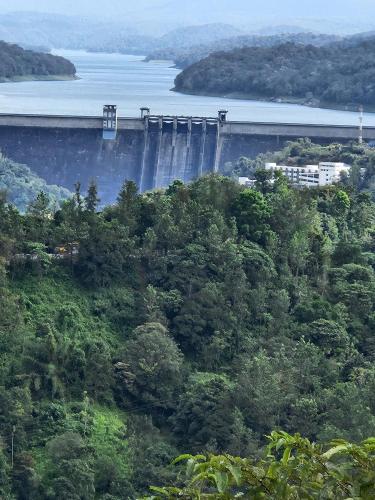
<point>56,31</point>
<point>192,35</point>
<point>38,29</point>
<point>184,57</point>
<point>239,12</point>
<point>31,29</point>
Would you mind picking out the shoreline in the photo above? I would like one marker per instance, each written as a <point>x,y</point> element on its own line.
<point>39,78</point>
<point>278,100</point>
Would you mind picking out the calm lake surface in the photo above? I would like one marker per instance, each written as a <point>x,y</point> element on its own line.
<point>130,83</point>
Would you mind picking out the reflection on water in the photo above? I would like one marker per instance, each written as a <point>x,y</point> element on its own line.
<point>130,83</point>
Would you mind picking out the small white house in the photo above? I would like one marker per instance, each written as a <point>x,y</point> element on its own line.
<point>245,181</point>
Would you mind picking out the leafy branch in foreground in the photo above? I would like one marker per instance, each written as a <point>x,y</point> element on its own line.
<point>293,468</point>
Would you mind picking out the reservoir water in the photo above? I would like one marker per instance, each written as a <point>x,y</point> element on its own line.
<point>131,83</point>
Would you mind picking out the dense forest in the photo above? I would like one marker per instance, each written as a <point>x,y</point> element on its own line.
<point>184,56</point>
<point>17,62</point>
<point>339,74</point>
<point>191,320</point>
<point>22,186</point>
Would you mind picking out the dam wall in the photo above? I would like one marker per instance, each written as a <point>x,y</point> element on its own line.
<point>152,150</point>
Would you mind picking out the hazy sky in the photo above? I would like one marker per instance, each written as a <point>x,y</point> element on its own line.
<point>201,10</point>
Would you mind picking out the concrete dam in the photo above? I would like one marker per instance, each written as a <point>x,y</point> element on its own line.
<point>150,150</point>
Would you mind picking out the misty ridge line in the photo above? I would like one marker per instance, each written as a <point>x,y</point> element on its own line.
<point>200,12</point>
<point>172,41</point>
<point>140,25</point>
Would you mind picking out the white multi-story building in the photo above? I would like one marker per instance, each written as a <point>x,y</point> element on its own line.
<point>324,174</point>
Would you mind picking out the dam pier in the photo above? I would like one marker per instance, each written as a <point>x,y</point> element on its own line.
<point>151,150</point>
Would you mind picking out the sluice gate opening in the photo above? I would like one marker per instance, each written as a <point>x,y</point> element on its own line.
<point>178,147</point>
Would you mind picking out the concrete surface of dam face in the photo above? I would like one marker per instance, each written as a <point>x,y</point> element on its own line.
<point>65,156</point>
<point>151,151</point>
<point>177,149</point>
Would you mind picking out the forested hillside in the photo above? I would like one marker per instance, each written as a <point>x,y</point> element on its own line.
<point>17,62</point>
<point>22,186</point>
<point>337,74</point>
<point>192,320</point>
<point>184,56</point>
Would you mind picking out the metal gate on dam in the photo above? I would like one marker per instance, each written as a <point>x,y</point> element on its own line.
<point>151,150</point>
